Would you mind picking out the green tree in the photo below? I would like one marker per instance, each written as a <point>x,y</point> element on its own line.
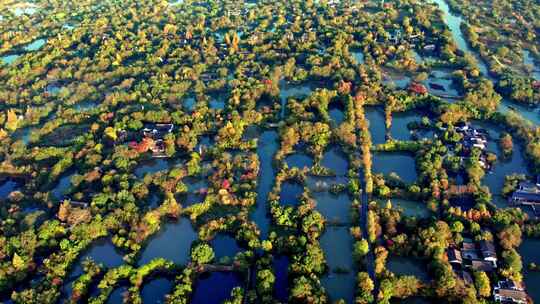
<point>483,286</point>
<point>202,254</point>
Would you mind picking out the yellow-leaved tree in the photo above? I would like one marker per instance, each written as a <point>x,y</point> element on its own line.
<point>12,121</point>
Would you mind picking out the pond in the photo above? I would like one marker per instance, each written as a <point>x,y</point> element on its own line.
<point>215,287</point>
<point>117,296</point>
<point>528,60</point>
<point>172,242</point>
<point>530,253</point>
<point>396,80</point>
<point>288,90</point>
<point>52,89</point>
<point>225,246</point>
<point>9,59</point>
<point>440,81</point>
<point>335,208</point>
<point>336,161</point>
<point>421,58</point>
<point>358,56</point>
<point>101,251</point>
<point>531,114</point>
<point>516,163</point>
<point>152,166</point>
<point>217,102</point>
<point>196,192</point>
<point>6,188</point>
<point>340,282</point>
<point>400,163</point>
<point>299,160</point>
<point>281,284</point>
<point>409,208</point>
<point>153,200</point>
<point>377,127</point>
<point>325,183</point>
<point>154,291</point>
<point>36,45</point>
<point>336,115</point>
<point>290,193</point>
<point>85,106</point>
<point>61,188</point>
<point>24,10</point>
<point>189,104</point>
<point>407,266</point>
<point>267,146</point>
<point>400,121</point>
<point>250,133</point>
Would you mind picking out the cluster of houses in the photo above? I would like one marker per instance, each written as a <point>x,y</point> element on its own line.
<point>153,139</point>
<point>527,194</point>
<point>473,256</point>
<point>509,291</point>
<point>481,256</point>
<point>474,138</point>
<point>157,132</point>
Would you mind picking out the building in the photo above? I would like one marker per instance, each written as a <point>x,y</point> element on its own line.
<point>157,131</point>
<point>509,291</point>
<point>528,193</point>
<point>521,197</point>
<point>481,265</point>
<point>488,252</point>
<point>480,256</point>
<point>454,257</point>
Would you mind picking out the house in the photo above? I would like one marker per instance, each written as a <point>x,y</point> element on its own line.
<point>488,252</point>
<point>529,187</point>
<point>480,265</point>
<point>454,257</point>
<point>468,250</point>
<point>521,197</point>
<point>527,193</point>
<point>479,256</point>
<point>157,131</point>
<point>509,291</point>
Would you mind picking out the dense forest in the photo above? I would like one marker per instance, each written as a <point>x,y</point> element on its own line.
<point>235,151</point>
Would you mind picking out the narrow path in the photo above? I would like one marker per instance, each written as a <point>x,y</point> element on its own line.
<point>370,257</point>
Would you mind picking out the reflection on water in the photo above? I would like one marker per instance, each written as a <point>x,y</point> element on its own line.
<point>399,163</point>
<point>377,128</point>
<point>9,59</point>
<point>530,253</point>
<point>172,242</point>
<point>154,291</point>
<point>407,266</point>
<point>267,146</point>
<point>215,287</point>
<point>336,243</point>
<point>36,45</point>
<point>281,285</point>
<point>292,90</point>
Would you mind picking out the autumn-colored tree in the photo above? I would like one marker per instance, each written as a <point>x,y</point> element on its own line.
<point>63,211</point>
<point>12,121</point>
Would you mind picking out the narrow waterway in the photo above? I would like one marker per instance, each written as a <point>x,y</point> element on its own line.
<point>454,22</point>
